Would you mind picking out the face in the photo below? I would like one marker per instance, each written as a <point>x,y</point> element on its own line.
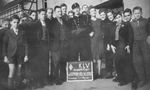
<point>42,15</point>
<point>137,14</point>
<point>33,15</point>
<point>58,12</point>
<point>64,9</point>
<point>14,23</point>
<point>70,15</point>
<point>93,12</point>
<point>76,11</point>
<point>118,18</point>
<point>85,8</point>
<point>103,15</point>
<point>5,24</point>
<point>110,16</point>
<point>127,16</point>
<point>23,20</point>
<point>49,13</point>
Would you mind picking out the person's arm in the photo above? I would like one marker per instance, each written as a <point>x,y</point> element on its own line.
<point>131,35</point>
<point>5,46</point>
<point>26,47</point>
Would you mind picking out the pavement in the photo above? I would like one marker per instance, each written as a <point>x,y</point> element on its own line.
<point>99,84</point>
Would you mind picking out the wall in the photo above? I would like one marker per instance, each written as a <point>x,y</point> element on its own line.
<point>145,4</point>
<point>53,3</point>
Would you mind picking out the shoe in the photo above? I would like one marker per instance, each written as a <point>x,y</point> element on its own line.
<point>134,86</point>
<point>116,79</point>
<point>58,82</point>
<point>122,83</point>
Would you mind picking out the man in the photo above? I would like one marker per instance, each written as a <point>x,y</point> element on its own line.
<point>127,14</point>
<point>3,66</point>
<point>59,46</point>
<point>85,8</point>
<point>5,26</point>
<point>79,36</point>
<point>49,13</point>
<point>127,17</point>
<point>110,15</point>
<point>38,41</point>
<point>15,50</point>
<point>107,27</point>
<point>64,12</point>
<point>140,46</point>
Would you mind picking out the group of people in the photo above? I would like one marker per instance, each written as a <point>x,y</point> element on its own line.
<point>37,49</point>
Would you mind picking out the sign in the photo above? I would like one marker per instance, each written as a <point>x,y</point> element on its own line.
<point>79,71</point>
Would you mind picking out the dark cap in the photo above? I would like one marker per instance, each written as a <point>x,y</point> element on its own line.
<point>75,5</point>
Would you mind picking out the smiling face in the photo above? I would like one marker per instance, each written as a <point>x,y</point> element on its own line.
<point>5,24</point>
<point>118,18</point>
<point>14,23</point>
<point>110,16</point>
<point>49,13</point>
<point>76,11</point>
<point>42,15</point>
<point>33,15</point>
<point>102,15</point>
<point>137,13</point>
<point>64,10</point>
<point>93,12</point>
<point>58,12</point>
<point>127,16</point>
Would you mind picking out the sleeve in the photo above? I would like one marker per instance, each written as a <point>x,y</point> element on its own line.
<point>5,44</point>
<point>25,43</point>
<point>131,35</point>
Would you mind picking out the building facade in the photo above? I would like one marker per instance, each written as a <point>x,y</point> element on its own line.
<point>145,4</point>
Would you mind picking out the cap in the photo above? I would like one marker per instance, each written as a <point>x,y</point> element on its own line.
<point>75,5</point>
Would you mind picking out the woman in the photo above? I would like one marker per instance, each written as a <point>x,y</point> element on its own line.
<point>122,44</point>
<point>97,46</point>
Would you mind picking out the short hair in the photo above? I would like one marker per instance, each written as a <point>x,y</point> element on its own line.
<point>41,10</point>
<point>63,5</point>
<point>102,10</point>
<point>75,5</point>
<point>49,9</point>
<point>5,20</point>
<point>56,7</point>
<point>24,14</point>
<point>71,12</point>
<point>127,10</point>
<point>84,5</point>
<point>137,8</point>
<point>118,13</point>
<point>14,17</point>
<point>110,11</point>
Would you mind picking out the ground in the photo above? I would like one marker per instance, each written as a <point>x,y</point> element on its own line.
<point>100,84</point>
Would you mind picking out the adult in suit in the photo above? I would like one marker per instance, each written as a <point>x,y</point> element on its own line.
<point>3,66</point>
<point>79,36</point>
<point>107,27</point>
<point>15,50</point>
<point>39,50</point>
<point>64,12</point>
<point>97,45</point>
<point>140,46</point>
<point>59,47</point>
